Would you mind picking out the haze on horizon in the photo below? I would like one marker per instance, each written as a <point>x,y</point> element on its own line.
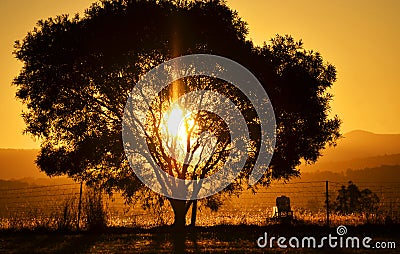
<point>357,150</point>
<point>359,37</point>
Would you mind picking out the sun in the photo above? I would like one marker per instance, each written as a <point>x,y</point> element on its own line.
<point>175,120</point>
<point>182,138</point>
<point>177,123</point>
<point>174,129</point>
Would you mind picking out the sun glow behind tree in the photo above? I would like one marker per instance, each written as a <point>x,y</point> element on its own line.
<point>175,120</point>
<point>183,137</point>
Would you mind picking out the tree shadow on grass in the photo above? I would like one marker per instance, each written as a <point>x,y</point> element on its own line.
<point>47,242</point>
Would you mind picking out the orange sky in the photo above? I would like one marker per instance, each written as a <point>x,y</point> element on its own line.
<point>360,38</point>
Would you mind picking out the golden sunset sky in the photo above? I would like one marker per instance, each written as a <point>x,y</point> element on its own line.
<point>361,38</point>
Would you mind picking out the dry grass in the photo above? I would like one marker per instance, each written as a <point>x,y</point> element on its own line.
<point>99,211</point>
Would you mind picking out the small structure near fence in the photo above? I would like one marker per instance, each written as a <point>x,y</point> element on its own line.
<point>283,211</point>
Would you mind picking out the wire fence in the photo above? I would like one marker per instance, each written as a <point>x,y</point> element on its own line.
<point>59,205</point>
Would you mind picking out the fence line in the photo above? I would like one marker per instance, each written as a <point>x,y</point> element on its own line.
<point>307,198</point>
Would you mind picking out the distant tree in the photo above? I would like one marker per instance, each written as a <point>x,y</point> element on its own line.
<point>353,196</point>
<point>341,201</point>
<point>369,202</point>
<point>352,200</point>
<point>78,73</point>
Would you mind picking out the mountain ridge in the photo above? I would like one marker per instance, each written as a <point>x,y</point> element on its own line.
<point>359,144</point>
<point>356,150</point>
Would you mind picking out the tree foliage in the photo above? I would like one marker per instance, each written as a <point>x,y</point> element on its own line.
<point>78,72</point>
<point>352,200</point>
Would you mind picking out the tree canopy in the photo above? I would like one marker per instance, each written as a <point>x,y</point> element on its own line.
<point>78,72</point>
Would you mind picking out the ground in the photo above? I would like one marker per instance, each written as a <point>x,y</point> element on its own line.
<point>217,239</point>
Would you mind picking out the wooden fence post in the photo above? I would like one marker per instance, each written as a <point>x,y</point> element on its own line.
<point>79,207</point>
<point>327,202</point>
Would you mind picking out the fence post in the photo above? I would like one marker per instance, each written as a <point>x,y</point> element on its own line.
<point>79,207</point>
<point>327,202</point>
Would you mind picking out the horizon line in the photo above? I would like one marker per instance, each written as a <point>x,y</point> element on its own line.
<point>355,130</point>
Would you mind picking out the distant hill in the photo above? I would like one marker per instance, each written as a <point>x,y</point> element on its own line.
<point>357,150</point>
<point>382,174</point>
<point>18,170</point>
<point>360,163</point>
<point>29,182</point>
<point>361,144</point>
<point>19,163</point>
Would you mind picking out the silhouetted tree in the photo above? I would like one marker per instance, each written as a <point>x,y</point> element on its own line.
<point>352,200</point>
<point>78,72</point>
<point>369,202</point>
<point>341,204</point>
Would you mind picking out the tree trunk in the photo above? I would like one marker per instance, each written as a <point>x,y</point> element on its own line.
<point>179,208</point>
<point>194,213</point>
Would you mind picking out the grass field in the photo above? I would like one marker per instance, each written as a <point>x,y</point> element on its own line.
<point>43,219</point>
<point>56,206</point>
